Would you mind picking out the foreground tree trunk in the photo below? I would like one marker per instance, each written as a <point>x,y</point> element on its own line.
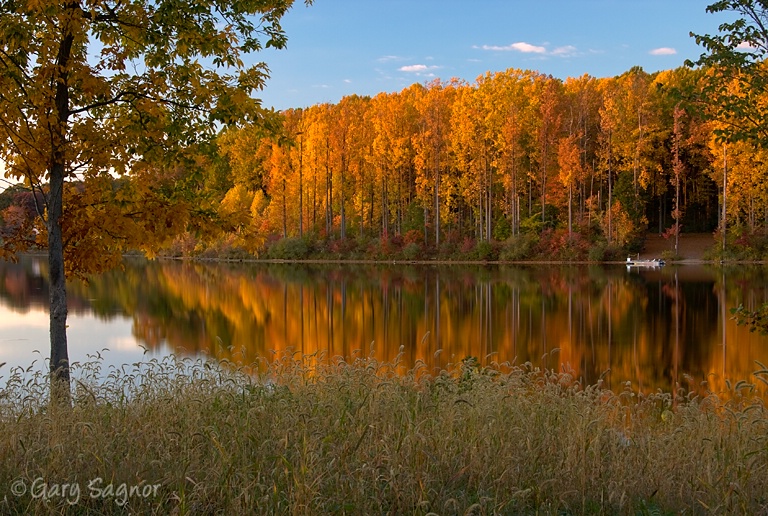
<point>59,365</point>
<point>59,362</point>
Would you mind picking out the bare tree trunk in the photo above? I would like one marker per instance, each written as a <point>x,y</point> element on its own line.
<point>437,204</point>
<point>610,191</point>
<point>343,213</point>
<point>570,212</point>
<point>301,186</point>
<point>362,199</point>
<point>59,365</point>
<point>285,214</point>
<point>725,197</point>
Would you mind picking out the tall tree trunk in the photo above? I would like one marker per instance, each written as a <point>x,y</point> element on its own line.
<point>301,186</point>
<point>362,199</point>
<point>437,204</point>
<point>610,192</point>
<point>570,212</point>
<point>342,212</point>
<point>724,228</point>
<point>59,364</point>
<point>314,199</point>
<point>285,213</point>
<point>489,219</point>
<point>59,361</point>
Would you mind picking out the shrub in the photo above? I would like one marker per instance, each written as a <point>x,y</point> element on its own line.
<point>557,244</point>
<point>412,251</point>
<point>518,247</point>
<point>485,251</point>
<point>502,229</point>
<point>669,255</point>
<point>467,246</point>
<point>341,247</point>
<point>596,251</point>
<point>413,236</point>
<point>746,244</point>
<point>289,249</point>
<point>614,253</point>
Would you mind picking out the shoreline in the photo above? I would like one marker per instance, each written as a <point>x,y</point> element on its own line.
<point>443,262</point>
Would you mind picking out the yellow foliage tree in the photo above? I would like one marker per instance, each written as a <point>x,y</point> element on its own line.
<point>89,91</point>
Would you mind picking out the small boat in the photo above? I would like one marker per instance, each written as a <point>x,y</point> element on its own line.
<point>649,264</point>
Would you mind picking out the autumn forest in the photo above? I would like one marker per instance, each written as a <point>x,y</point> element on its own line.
<point>574,169</point>
<point>514,166</point>
<point>518,165</point>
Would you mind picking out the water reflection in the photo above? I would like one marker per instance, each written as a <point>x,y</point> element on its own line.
<point>656,329</point>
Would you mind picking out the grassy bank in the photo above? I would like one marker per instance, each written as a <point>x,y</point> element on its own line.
<point>302,438</point>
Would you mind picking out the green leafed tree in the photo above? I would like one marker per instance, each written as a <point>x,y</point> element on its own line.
<point>96,89</point>
<point>737,81</point>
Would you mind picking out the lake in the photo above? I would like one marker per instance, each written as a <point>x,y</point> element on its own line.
<point>653,328</point>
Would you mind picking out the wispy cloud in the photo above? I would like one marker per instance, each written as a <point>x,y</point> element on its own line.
<point>520,46</point>
<point>565,51</point>
<point>663,51</point>
<point>387,59</point>
<point>528,48</point>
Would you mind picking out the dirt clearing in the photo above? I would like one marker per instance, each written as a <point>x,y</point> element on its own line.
<point>691,246</point>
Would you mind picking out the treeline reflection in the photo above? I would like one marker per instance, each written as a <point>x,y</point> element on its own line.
<point>655,329</point>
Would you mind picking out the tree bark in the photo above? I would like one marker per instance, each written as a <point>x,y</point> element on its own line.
<point>59,364</point>
<point>59,360</point>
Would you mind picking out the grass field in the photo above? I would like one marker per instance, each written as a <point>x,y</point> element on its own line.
<point>302,436</point>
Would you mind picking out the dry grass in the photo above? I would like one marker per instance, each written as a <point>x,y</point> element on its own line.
<point>306,438</point>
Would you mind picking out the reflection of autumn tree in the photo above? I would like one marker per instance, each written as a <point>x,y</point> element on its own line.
<point>599,321</point>
<point>602,322</point>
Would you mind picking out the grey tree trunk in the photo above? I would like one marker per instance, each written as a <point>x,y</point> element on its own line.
<point>59,360</point>
<point>59,364</point>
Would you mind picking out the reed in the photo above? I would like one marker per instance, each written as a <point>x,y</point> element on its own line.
<point>302,435</point>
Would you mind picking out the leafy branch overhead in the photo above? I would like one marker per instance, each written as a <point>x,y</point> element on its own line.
<point>738,78</point>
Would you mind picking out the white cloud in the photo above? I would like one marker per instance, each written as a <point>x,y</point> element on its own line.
<point>348,81</point>
<point>413,68</point>
<point>520,46</point>
<point>417,68</point>
<point>565,51</point>
<point>386,59</point>
<point>527,48</point>
<point>663,51</point>
<point>744,45</point>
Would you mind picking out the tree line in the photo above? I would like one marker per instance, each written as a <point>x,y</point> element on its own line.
<point>581,163</point>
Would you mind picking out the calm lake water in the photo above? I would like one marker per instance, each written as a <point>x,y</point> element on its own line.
<point>653,328</point>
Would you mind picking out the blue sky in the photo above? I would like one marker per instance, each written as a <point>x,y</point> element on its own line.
<point>341,47</point>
